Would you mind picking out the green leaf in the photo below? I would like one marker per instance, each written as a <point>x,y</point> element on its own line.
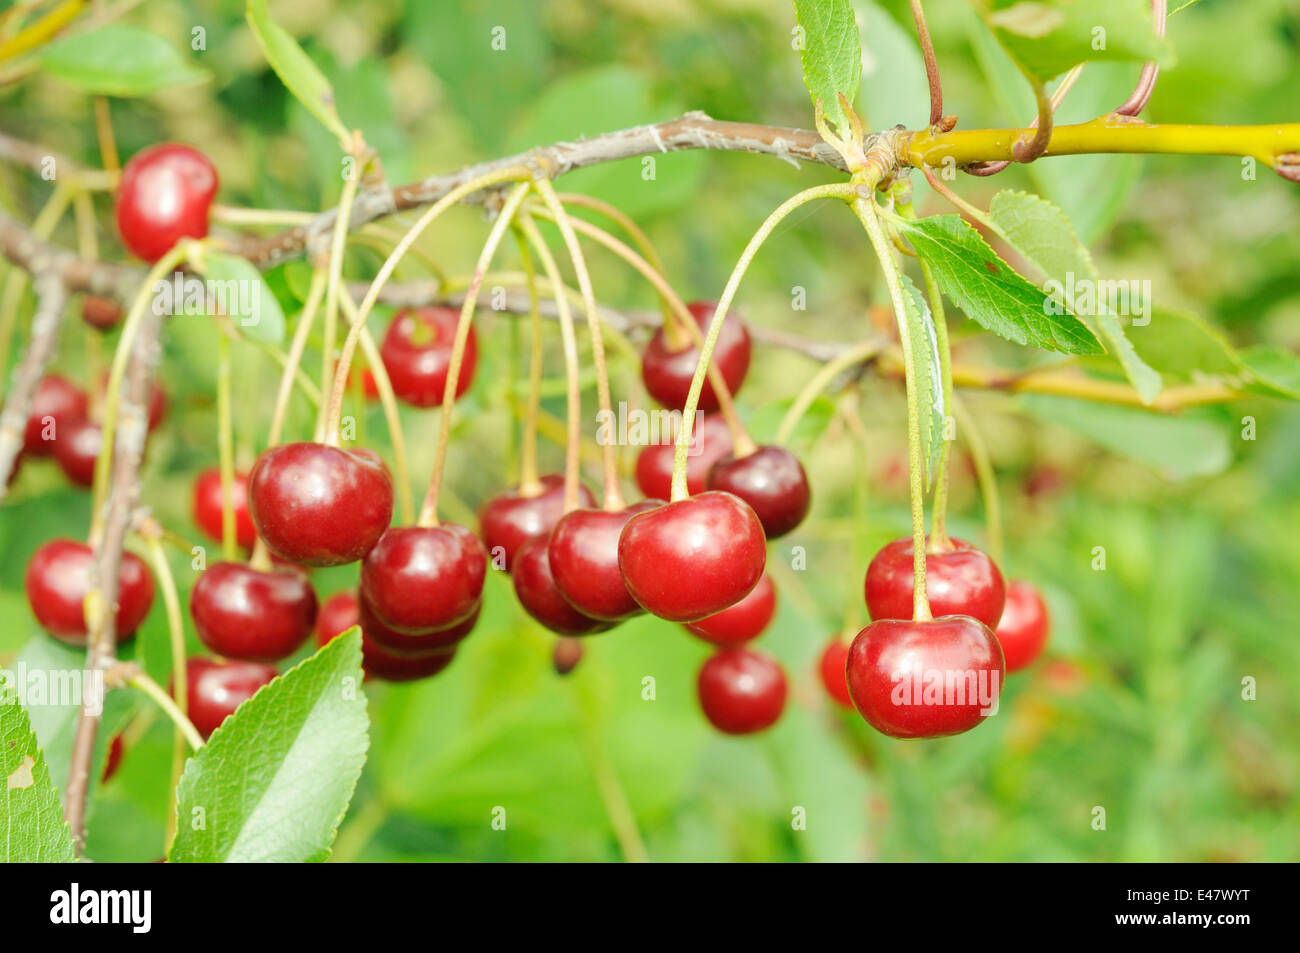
<point>119,60</point>
<point>238,289</point>
<point>984,286</point>
<point>927,367</point>
<point>894,86</point>
<point>1182,344</point>
<point>274,781</point>
<point>32,828</point>
<point>1276,371</point>
<point>831,55</point>
<point>295,68</point>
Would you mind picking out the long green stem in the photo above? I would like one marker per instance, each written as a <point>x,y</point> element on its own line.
<point>305,321</point>
<point>225,445</point>
<point>338,245</point>
<point>180,683</point>
<point>820,381</point>
<point>164,701</point>
<point>528,482</point>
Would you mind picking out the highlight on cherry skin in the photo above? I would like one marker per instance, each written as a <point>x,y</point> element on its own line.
<point>961,580</point>
<point>667,370</point>
<point>165,195</point>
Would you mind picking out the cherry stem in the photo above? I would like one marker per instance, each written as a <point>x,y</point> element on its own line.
<point>1146,83</point>
<point>225,444</point>
<point>429,511</point>
<point>852,357</point>
<point>931,64</point>
<point>529,485</point>
<point>1058,96</point>
<point>984,474</point>
<point>152,535</point>
<point>296,347</point>
<point>149,687</point>
<point>838,190</point>
<point>326,421</point>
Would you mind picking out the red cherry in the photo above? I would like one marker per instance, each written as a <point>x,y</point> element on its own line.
<point>742,691</point>
<point>831,668</point>
<point>209,506</point>
<point>417,355</point>
<point>101,313</point>
<point>253,616</point>
<point>77,451</point>
<point>165,195</point>
<point>342,611</point>
<point>391,667</point>
<point>112,759</point>
<point>413,644</point>
<point>1022,631</point>
<point>216,688</point>
<point>744,621</point>
<point>58,403</point>
<point>667,373</point>
<point>58,578</point>
<point>963,581</point>
<point>541,598</point>
<point>507,521</point>
<point>654,464</point>
<point>420,578</point>
<point>318,505</point>
<point>336,616</point>
<point>772,481</point>
<point>692,558</point>
<point>583,554</point>
<point>924,679</point>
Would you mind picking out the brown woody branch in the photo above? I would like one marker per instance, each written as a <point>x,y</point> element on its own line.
<point>50,300</point>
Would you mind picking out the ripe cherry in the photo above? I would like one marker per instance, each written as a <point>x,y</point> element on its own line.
<point>583,553</point>
<point>692,558</point>
<point>318,505</point>
<point>417,355</point>
<point>419,578</point>
<point>924,679</point>
<point>541,598</point>
<point>58,578</point>
<point>962,581</point>
<point>337,614</point>
<point>57,403</point>
<point>744,621</point>
<point>391,667</point>
<point>772,481</point>
<point>217,688</point>
<point>101,313</point>
<point>667,373</point>
<point>510,519</point>
<point>654,464</point>
<point>1022,631</point>
<point>165,195</point>
<point>242,613</point>
<point>77,450</point>
<point>413,644</point>
<point>209,506</point>
<point>742,691</point>
<point>831,667</point>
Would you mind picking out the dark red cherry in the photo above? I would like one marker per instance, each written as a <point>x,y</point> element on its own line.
<point>772,481</point>
<point>583,554</point>
<point>831,668</point>
<point>413,644</point>
<point>253,616</point>
<point>343,610</point>
<point>654,464</point>
<point>924,679</point>
<point>165,195</point>
<point>419,578</point>
<point>77,450</point>
<point>541,598</point>
<point>101,313</point>
<point>337,614</point>
<point>379,662</point>
<point>417,355</point>
<point>57,403</point>
<point>690,559</point>
<point>962,581</point>
<point>744,621</point>
<point>667,373</point>
<point>742,691</point>
<point>58,578</point>
<point>209,506</point>
<point>507,521</point>
<point>566,655</point>
<point>1022,631</point>
<point>216,688</point>
<point>318,505</point>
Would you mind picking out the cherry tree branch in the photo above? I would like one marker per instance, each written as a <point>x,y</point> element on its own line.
<point>50,300</point>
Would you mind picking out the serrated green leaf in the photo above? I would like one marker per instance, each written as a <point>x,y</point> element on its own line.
<point>295,68</point>
<point>1276,371</point>
<point>928,373</point>
<point>237,286</point>
<point>831,55</point>
<point>32,828</point>
<point>989,290</point>
<point>119,60</point>
<point>274,781</point>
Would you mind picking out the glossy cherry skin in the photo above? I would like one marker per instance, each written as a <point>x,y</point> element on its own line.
<point>831,668</point>
<point>416,352</point>
<point>744,621</point>
<point>583,553</point>
<point>541,598</point>
<point>208,506</point>
<point>693,558</point>
<point>58,578</point>
<point>379,662</point>
<point>509,520</point>
<point>925,679</point>
<point>654,464</point>
<point>421,578</point>
<point>337,614</point>
<point>413,644</point>
<point>101,313</point>
<point>1022,631</point>
<point>216,688</point>
<point>964,581</point>
<point>165,195</point>
<point>742,691</point>
<point>318,505</point>
<point>772,481</point>
<point>253,616</point>
<point>667,374</point>
<point>58,403</point>
<point>77,451</point>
